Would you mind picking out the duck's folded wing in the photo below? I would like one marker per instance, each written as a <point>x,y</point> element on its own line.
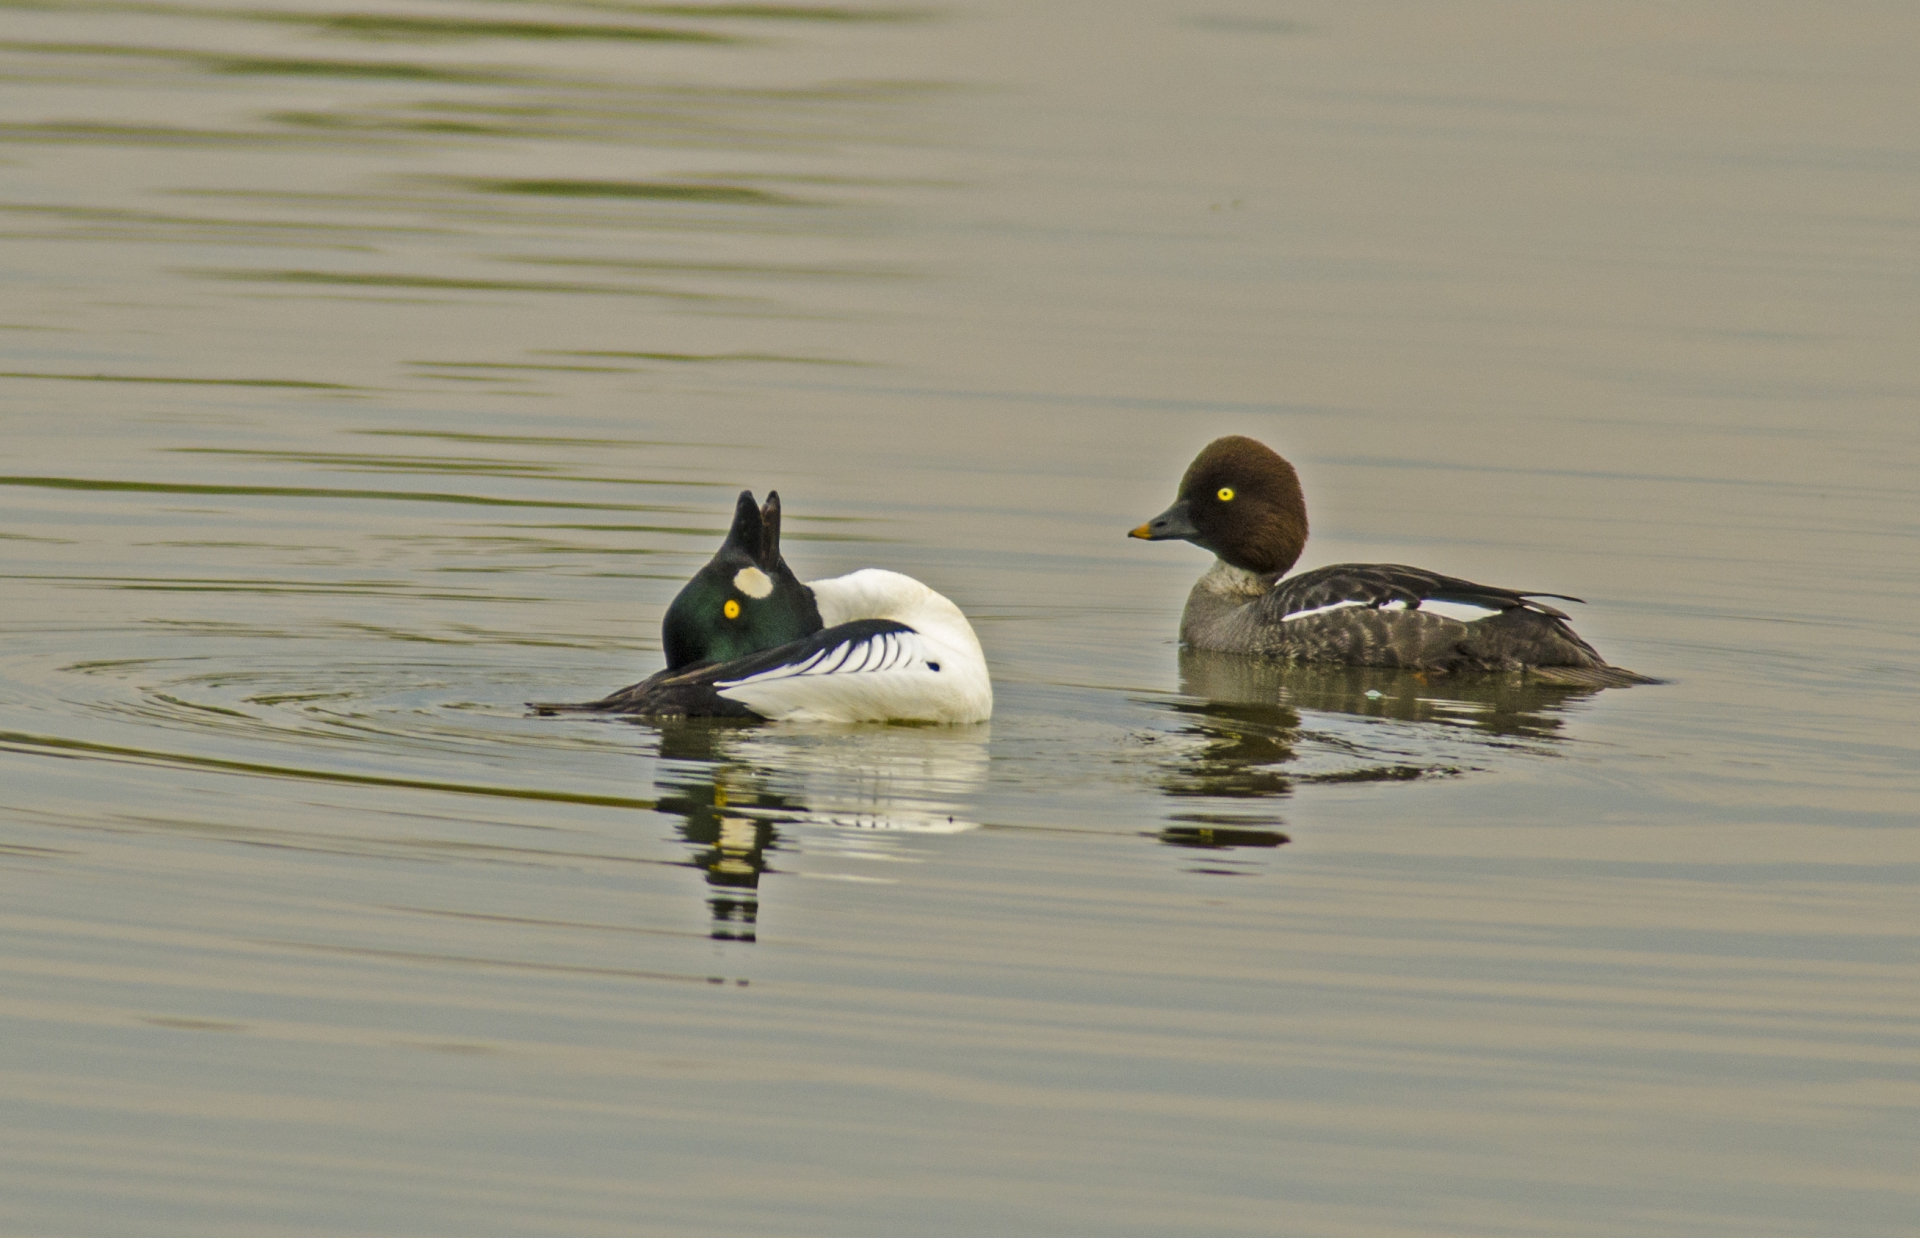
<point>865,646</point>
<point>870,670</point>
<point>776,682</point>
<point>1390,584</point>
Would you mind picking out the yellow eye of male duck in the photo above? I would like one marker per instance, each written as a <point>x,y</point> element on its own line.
<point>1226,494</point>
<point>731,610</point>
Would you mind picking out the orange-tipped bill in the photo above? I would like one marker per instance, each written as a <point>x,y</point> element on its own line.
<point>1175,522</point>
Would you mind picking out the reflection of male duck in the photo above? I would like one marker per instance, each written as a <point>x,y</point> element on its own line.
<point>899,780</point>
<point>746,794</point>
<point>730,844</point>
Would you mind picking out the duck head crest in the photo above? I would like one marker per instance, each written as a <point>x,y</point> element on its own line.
<point>1241,500</point>
<point>745,600</point>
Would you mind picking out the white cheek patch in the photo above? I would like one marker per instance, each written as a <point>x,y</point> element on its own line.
<point>753,582</point>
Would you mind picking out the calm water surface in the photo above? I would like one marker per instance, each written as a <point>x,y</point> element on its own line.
<point>369,370</point>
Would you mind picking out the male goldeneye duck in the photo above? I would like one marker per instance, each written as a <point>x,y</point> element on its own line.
<point>1241,500</point>
<point>746,639</point>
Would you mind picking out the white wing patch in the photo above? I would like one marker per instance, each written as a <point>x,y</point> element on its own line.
<point>1318,610</point>
<point>1465,612</point>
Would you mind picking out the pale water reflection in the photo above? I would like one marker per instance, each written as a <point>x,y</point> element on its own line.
<point>749,793</point>
<point>1510,705</point>
<point>369,370</point>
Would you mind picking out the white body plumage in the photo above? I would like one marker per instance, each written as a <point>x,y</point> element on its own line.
<point>933,673</point>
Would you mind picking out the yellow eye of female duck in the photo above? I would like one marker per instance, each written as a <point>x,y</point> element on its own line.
<point>731,610</point>
<point>1226,494</point>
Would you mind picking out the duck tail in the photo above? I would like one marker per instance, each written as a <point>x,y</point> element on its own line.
<point>1547,648</point>
<point>1600,676</point>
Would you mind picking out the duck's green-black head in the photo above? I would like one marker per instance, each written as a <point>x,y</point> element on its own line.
<point>746,600</point>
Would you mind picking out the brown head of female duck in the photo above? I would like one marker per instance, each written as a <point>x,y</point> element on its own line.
<point>1242,500</point>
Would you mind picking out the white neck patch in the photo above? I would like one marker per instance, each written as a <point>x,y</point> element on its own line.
<point>753,582</point>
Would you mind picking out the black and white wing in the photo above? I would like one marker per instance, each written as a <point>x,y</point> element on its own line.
<point>849,669</point>
<point>863,647</point>
<point>870,670</point>
<point>1378,585</point>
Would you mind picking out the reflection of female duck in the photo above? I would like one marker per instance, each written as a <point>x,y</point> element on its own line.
<point>1496,704</point>
<point>1246,714</point>
<point>746,639</point>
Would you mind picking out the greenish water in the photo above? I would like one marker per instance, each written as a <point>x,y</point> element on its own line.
<point>367,372</point>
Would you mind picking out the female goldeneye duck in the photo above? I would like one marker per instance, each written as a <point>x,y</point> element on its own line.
<point>1241,500</point>
<point>746,639</point>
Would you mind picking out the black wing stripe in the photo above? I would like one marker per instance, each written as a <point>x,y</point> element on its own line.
<point>864,645</point>
<point>1381,584</point>
<point>798,668</point>
<point>697,691</point>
